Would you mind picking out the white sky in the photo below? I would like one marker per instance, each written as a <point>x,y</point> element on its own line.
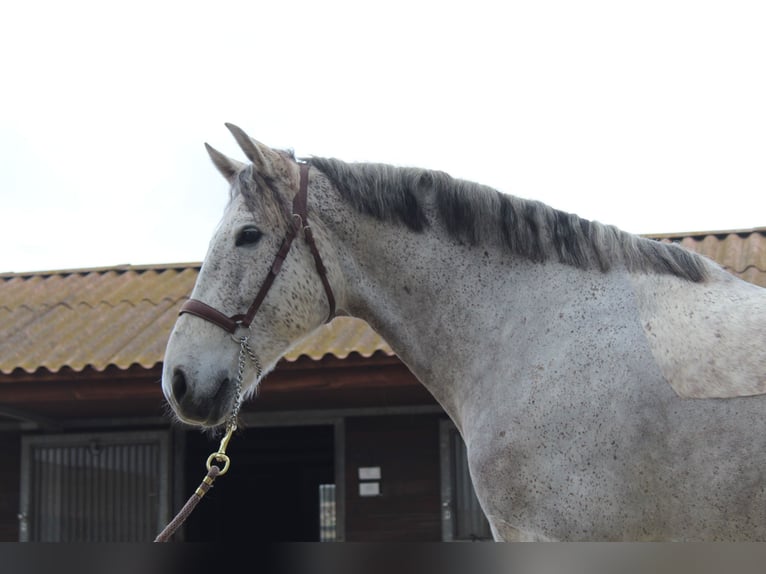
<point>647,115</point>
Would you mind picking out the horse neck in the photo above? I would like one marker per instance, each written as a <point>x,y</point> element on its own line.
<point>444,307</point>
<point>451,310</point>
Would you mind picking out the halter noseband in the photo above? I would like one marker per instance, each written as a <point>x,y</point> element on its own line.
<point>299,220</point>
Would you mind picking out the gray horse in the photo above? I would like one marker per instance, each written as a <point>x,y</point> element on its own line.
<point>608,387</point>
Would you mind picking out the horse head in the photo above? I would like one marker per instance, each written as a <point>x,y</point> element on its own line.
<point>262,281</point>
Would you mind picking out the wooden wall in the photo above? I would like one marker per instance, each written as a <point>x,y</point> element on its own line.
<point>10,476</point>
<point>406,448</point>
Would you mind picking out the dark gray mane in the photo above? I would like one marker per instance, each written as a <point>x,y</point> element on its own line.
<point>474,214</point>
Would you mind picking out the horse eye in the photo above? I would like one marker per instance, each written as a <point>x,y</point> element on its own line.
<point>248,236</point>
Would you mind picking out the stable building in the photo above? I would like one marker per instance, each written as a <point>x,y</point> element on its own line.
<point>341,443</point>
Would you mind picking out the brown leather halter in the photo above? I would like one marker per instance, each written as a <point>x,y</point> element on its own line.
<point>299,220</point>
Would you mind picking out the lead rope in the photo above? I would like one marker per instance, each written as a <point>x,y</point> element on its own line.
<point>214,471</point>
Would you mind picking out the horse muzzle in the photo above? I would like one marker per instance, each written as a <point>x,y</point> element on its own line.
<point>196,404</point>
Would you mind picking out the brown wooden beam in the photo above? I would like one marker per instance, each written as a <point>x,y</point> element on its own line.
<point>329,383</point>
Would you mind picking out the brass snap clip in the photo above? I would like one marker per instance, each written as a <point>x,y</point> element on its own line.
<point>220,455</point>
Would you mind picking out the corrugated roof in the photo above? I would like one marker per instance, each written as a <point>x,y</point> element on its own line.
<point>122,316</point>
<point>741,252</point>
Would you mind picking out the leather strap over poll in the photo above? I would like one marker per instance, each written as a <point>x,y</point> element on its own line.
<point>299,221</point>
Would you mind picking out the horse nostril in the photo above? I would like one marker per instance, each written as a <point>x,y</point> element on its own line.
<point>179,384</point>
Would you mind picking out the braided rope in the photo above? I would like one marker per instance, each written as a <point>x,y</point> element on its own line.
<point>186,510</point>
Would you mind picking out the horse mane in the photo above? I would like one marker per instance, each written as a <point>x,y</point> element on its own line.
<point>474,213</point>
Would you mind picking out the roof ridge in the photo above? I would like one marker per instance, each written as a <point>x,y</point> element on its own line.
<point>89,270</point>
<point>692,234</point>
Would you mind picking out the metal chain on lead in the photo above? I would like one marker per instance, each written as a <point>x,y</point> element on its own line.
<point>253,358</point>
<point>238,389</point>
<point>245,352</point>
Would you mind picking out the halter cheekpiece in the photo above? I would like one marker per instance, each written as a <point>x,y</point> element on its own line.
<point>298,221</point>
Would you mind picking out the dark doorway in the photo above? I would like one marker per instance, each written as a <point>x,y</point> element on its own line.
<point>271,491</point>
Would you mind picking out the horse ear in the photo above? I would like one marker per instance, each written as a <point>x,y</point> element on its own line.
<point>262,156</point>
<point>228,167</point>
